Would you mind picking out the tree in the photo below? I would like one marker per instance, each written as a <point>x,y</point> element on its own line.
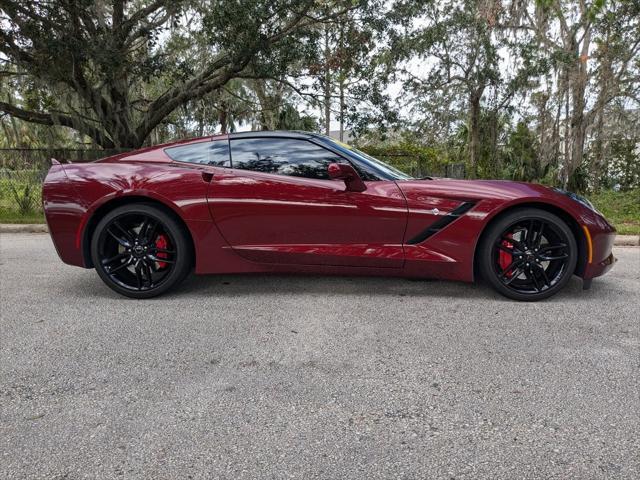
<point>457,41</point>
<point>97,59</point>
<point>593,46</point>
<point>521,152</point>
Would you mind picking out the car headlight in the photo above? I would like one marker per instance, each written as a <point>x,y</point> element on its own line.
<point>577,198</point>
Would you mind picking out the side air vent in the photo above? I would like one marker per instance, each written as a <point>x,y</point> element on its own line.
<point>439,224</point>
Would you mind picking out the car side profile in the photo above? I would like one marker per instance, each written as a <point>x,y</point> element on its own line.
<point>299,202</point>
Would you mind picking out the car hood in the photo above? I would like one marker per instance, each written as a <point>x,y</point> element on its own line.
<point>475,190</point>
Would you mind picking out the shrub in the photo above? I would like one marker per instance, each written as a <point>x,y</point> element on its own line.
<point>20,190</point>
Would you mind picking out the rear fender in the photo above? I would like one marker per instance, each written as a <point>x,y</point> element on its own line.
<point>75,195</point>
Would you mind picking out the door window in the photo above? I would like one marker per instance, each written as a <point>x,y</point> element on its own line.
<point>215,153</point>
<point>283,156</point>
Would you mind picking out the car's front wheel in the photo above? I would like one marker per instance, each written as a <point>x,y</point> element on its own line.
<point>140,251</point>
<point>528,254</point>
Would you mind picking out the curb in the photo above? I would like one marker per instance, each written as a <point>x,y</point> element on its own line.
<point>620,241</point>
<point>23,228</point>
<point>627,240</point>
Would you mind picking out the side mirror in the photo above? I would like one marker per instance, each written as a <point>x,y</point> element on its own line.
<point>342,171</point>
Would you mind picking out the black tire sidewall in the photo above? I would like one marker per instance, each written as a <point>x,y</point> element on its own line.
<point>498,227</point>
<point>183,249</point>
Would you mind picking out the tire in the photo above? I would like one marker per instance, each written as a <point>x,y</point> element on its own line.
<point>141,251</point>
<point>528,254</point>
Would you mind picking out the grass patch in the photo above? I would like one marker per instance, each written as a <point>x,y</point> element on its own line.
<point>622,209</point>
<point>13,216</point>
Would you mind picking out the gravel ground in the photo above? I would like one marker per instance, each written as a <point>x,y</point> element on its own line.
<point>239,377</point>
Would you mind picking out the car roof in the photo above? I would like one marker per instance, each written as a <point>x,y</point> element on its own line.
<point>273,134</point>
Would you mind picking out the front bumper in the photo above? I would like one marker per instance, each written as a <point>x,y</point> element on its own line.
<point>602,239</point>
<point>600,268</point>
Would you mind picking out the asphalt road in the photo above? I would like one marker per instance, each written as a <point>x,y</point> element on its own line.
<point>311,377</point>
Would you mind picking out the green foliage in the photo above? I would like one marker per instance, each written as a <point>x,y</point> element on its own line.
<point>20,191</point>
<point>579,180</point>
<point>414,159</point>
<point>624,163</point>
<point>8,215</point>
<point>290,119</point>
<point>622,209</point>
<point>520,155</point>
<point>23,196</point>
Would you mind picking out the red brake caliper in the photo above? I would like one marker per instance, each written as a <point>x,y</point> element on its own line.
<point>162,242</point>
<point>505,258</point>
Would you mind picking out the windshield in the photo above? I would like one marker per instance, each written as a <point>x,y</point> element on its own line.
<point>384,170</point>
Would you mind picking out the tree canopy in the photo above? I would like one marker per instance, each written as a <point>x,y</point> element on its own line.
<point>97,66</point>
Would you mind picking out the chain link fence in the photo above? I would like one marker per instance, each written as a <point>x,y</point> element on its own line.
<point>418,167</point>
<point>22,172</point>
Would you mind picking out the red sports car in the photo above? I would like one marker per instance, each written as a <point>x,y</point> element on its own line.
<point>301,202</point>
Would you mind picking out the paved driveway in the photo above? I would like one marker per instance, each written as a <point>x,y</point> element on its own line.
<point>310,377</point>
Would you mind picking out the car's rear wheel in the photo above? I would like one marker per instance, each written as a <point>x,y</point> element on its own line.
<point>528,254</point>
<point>140,251</point>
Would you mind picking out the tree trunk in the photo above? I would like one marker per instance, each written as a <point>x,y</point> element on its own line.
<point>578,122</point>
<point>327,84</point>
<point>474,133</point>
<point>578,79</point>
<point>598,164</point>
<point>342,109</point>
<point>222,119</point>
<point>495,166</point>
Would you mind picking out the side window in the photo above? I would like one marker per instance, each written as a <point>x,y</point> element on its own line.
<point>283,156</point>
<point>215,153</point>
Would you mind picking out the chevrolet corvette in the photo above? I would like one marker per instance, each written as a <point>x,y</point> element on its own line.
<point>298,202</point>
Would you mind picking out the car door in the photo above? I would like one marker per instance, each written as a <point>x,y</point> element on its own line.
<point>277,205</point>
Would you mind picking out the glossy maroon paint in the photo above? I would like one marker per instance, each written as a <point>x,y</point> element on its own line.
<point>243,221</point>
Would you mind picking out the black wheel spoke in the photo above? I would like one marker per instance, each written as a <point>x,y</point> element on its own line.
<point>147,231</point>
<point>545,278</point>
<point>510,268</point>
<point>151,233</point>
<point>548,248</point>
<point>122,241</point>
<point>119,267</point>
<point>119,256</point>
<point>163,250</point>
<point>156,259</point>
<point>539,235</point>
<point>147,272</point>
<point>528,241</point>
<point>515,275</point>
<point>505,249</point>
<point>530,274</point>
<point>138,270</point>
<point>546,258</point>
<point>128,235</point>
<point>143,229</point>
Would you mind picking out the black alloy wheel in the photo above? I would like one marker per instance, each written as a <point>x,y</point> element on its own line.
<point>140,251</point>
<point>528,254</point>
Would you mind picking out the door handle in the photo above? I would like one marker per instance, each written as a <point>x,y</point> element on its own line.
<point>207,176</point>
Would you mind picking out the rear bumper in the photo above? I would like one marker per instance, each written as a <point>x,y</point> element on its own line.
<point>63,215</point>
